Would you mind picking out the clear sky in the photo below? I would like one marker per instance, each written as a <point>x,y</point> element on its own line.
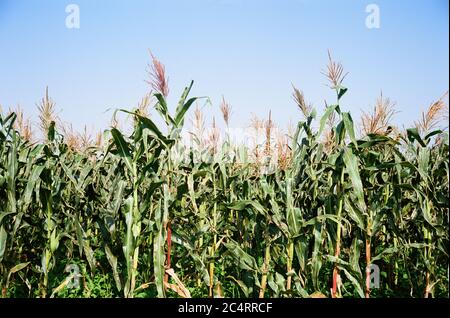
<point>250,51</point>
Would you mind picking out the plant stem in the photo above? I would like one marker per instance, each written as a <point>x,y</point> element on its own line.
<point>213,251</point>
<point>337,251</point>
<point>338,238</point>
<point>427,286</point>
<point>368,271</point>
<point>265,270</point>
<point>289,264</point>
<point>136,220</point>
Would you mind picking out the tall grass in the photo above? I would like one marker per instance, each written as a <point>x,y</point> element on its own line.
<point>141,222</point>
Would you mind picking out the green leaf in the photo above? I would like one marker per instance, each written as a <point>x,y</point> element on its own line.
<point>184,106</point>
<point>243,204</point>
<point>356,283</point>
<point>325,117</point>
<point>163,110</point>
<point>31,184</point>
<point>351,165</point>
<point>355,213</point>
<point>242,285</point>
<point>3,236</point>
<point>54,241</point>
<point>341,91</point>
<point>158,263</point>
<point>147,123</point>
<point>4,214</point>
<point>18,267</point>
<point>385,252</point>
<point>79,234</point>
<point>122,147</point>
<point>316,260</point>
<point>113,262</point>
<point>243,260</point>
<point>348,122</point>
<point>413,134</point>
<point>179,119</point>
<point>433,133</point>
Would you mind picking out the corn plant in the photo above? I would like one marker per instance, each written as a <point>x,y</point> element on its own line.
<point>144,214</point>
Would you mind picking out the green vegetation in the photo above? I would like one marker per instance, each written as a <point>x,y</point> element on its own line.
<point>139,222</point>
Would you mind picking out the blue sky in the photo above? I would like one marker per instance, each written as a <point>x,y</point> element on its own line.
<point>250,51</point>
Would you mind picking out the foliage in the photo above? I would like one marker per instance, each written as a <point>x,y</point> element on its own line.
<point>140,222</point>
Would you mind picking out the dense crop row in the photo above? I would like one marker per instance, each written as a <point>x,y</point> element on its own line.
<point>139,222</point>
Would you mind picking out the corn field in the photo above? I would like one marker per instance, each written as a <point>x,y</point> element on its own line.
<point>137,221</point>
